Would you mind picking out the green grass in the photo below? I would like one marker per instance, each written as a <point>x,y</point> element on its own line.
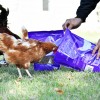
<point>73,85</point>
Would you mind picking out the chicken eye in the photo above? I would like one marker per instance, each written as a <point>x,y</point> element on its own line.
<point>0,39</point>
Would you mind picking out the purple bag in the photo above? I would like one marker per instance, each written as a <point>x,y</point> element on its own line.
<point>76,53</point>
<point>47,64</point>
<point>47,36</point>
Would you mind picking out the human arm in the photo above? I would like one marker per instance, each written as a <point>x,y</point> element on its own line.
<point>85,8</point>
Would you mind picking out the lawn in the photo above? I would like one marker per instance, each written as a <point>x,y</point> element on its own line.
<point>62,84</point>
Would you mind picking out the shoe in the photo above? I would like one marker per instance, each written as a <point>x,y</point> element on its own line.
<point>3,62</point>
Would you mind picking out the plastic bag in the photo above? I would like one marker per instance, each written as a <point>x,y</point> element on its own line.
<point>47,36</point>
<point>76,53</point>
<point>46,64</point>
<point>55,37</point>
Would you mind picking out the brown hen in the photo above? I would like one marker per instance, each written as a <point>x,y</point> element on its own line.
<point>22,52</point>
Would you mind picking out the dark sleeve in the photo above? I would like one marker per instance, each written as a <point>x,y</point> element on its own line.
<point>85,8</point>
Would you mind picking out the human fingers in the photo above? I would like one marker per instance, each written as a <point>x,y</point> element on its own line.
<point>63,26</point>
<point>95,49</point>
<point>98,54</point>
<point>66,24</point>
<point>70,27</point>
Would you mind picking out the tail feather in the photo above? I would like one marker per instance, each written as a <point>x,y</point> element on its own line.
<point>25,33</point>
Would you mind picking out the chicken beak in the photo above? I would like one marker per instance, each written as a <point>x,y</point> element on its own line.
<point>55,49</point>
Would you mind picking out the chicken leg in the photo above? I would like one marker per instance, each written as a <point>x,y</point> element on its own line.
<point>19,72</point>
<point>28,73</point>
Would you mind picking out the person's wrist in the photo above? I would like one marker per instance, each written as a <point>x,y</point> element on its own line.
<point>81,20</point>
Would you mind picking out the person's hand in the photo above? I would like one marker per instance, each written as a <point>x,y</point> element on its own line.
<point>97,48</point>
<point>72,23</point>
